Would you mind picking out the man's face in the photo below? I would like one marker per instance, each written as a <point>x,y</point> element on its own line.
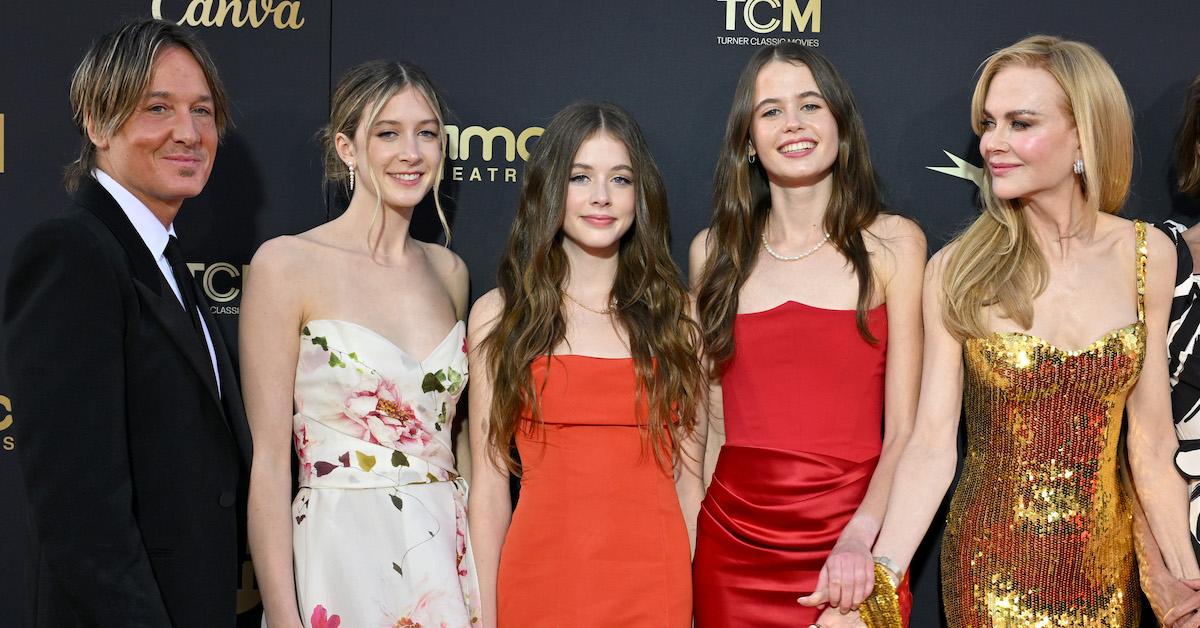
<point>164,152</point>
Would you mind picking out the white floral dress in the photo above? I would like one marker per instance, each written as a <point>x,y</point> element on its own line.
<point>379,523</point>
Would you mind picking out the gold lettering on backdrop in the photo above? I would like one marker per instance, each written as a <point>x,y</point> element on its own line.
<point>811,15</point>
<point>247,596</point>
<point>523,140</point>
<point>458,143</point>
<point>8,443</point>
<point>7,421</point>
<point>794,19</point>
<point>488,137</point>
<point>211,290</point>
<point>755,25</point>
<point>208,273</point>
<point>284,14</point>
<point>458,146</point>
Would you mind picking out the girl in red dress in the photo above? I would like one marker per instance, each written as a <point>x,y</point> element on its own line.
<point>808,296</point>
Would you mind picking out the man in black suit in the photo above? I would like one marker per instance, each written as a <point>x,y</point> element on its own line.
<point>133,438</point>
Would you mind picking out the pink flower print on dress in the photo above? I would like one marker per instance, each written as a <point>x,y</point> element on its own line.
<point>461,535</point>
<point>311,360</point>
<point>300,438</point>
<point>321,619</point>
<point>381,416</point>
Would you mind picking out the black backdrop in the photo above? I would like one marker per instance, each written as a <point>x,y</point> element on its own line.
<point>505,68</point>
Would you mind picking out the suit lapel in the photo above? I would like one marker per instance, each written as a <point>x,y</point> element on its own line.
<point>170,315</point>
<point>152,288</point>
<point>94,198</point>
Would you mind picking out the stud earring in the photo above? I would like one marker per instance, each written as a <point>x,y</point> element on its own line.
<point>1077,166</point>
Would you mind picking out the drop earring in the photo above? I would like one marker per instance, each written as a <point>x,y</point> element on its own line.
<point>351,167</point>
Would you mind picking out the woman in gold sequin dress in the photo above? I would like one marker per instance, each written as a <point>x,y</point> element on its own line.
<point>1044,320</point>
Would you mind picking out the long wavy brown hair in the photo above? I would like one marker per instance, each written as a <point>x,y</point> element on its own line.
<point>650,300</point>
<point>1187,143</point>
<point>742,202</point>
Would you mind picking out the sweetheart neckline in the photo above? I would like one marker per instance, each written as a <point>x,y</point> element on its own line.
<point>449,334</point>
<point>584,356</point>
<point>810,307</point>
<point>1092,346</point>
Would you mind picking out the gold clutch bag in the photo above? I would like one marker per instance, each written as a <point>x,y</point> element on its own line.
<point>881,609</point>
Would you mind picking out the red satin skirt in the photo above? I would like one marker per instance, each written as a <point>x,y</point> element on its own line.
<point>765,529</point>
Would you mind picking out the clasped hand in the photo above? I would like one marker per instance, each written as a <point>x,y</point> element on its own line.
<point>845,581</point>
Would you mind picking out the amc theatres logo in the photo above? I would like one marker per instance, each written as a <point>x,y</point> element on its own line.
<point>222,283</point>
<point>789,15</point>
<point>490,146</point>
<point>7,443</point>
<point>284,14</point>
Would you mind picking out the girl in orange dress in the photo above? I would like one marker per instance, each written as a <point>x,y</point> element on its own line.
<point>589,364</point>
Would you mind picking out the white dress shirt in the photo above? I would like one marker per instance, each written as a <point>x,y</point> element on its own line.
<point>156,237</point>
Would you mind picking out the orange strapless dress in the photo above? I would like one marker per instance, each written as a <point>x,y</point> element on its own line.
<point>597,537</point>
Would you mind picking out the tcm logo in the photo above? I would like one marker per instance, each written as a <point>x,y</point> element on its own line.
<point>785,14</point>
<point>222,283</point>
<point>284,14</point>
<point>7,443</point>
<point>463,144</point>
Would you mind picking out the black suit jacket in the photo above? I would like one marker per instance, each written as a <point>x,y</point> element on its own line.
<point>132,461</point>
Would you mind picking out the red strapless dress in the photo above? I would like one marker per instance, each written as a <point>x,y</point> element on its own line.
<point>597,538</point>
<point>803,400</point>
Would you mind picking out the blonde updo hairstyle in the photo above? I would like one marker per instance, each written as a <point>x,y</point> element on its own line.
<point>363,92</point>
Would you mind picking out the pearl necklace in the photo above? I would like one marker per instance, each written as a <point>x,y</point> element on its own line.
<point>790,258</point>
<point>604,312</point>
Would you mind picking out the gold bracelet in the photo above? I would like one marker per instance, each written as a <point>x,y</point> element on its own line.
<point>881,609</point>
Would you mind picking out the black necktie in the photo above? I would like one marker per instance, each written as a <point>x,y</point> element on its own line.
<point>187,285</point>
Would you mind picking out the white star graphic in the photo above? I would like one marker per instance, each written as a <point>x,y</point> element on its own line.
<point>962,169</point>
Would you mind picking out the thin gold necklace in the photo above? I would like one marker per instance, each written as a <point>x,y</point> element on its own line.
<point>604,312</point>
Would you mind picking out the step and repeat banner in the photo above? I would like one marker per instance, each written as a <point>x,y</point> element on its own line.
<point>505,68</point>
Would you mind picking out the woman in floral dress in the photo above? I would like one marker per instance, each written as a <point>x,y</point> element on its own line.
<point>357,327</point>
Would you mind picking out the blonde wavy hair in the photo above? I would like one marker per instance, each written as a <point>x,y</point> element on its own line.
<point>996,260</point>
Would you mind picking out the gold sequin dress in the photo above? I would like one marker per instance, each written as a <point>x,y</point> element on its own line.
<point>1040,528</point>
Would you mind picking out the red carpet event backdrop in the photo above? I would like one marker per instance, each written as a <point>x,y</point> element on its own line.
<point>505,68</point>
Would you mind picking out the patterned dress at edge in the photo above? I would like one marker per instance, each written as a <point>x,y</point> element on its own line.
<point>1040,527</point>
<point>379,524</point>
<point>1182,337</point>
